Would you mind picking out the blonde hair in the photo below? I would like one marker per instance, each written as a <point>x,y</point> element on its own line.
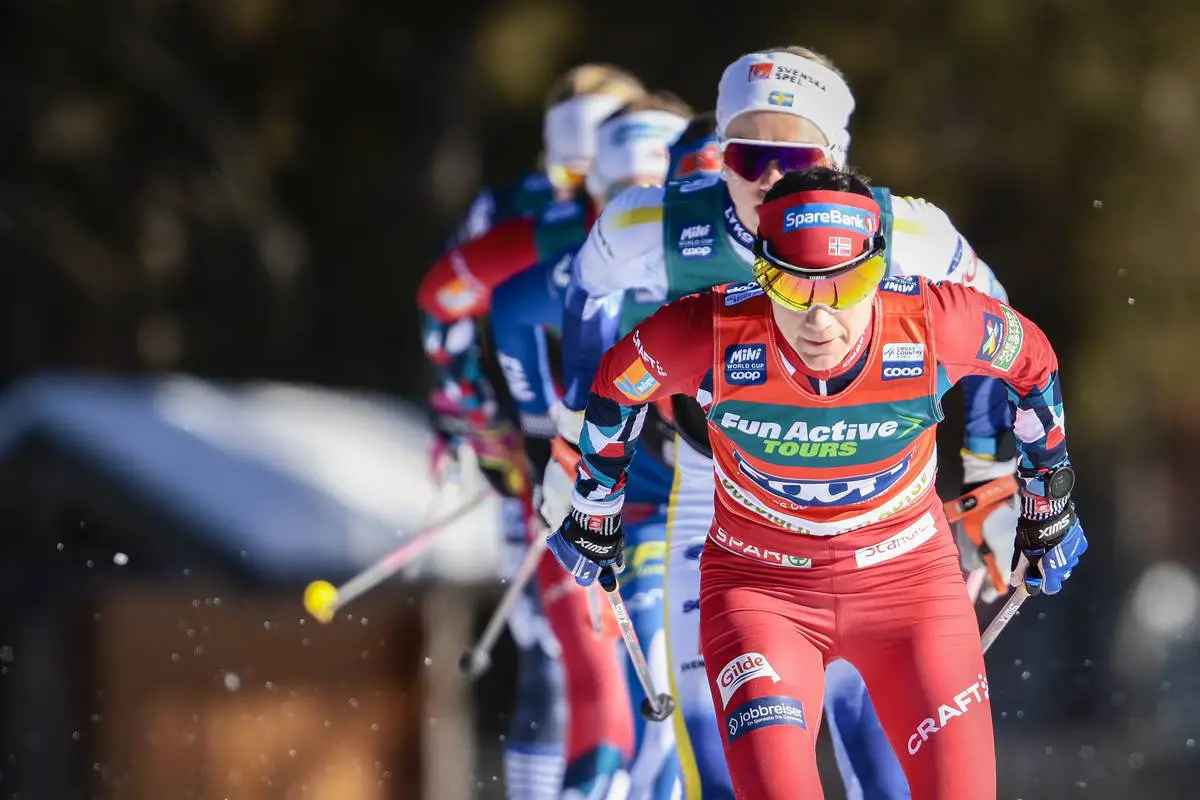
<point>588,79</point>
<point>654,101</point>
<point>806,53</point>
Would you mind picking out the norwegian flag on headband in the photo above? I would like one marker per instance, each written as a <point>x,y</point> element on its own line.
<point>819,229</point>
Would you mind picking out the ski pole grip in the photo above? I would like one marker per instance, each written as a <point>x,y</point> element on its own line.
<point>608,579</point>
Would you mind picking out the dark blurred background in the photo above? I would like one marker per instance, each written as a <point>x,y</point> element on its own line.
<point>214,215</point>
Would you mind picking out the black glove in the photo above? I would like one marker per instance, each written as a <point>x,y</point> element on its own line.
<point>586,542</point>
<point>1048,532</point>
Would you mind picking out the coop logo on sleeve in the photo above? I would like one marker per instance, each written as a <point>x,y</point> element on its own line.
<point>696,241</point>
<point>741,670</point>
<point>763,712</point>
<point>903,360</point>
<point>746,364</point>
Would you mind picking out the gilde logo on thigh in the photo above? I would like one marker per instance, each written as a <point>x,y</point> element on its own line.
<point>743,669</point>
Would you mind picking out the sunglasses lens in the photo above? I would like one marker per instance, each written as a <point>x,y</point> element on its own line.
<point>751,159</point>
<point>837,292</point>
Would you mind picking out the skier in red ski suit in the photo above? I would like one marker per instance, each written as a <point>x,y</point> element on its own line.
<point>822,383</point>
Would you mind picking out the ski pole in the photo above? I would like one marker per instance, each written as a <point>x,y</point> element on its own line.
<point>478,659</point>
<point>1011,606</point>
<point>655,707</point>
<point>323,600</point>
<point>1005,615</point>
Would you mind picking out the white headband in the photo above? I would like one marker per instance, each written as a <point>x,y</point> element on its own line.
<point>791,84</point>
<point>634,145</point>
<point>569,131</point>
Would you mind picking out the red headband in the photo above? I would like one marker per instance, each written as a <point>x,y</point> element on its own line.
<point>818,229</point>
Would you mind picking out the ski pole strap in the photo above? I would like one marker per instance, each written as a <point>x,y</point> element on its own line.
<point>972,508</point>
<point>566,454</point>
<point>980,499</point>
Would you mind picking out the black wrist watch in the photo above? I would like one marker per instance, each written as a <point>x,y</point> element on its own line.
<point>1059,482</point>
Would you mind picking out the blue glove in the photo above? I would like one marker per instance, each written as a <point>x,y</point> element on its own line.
<point>585,543</point>
<point>1052,546</point>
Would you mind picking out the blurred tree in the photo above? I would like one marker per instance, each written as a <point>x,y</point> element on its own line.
<point>245,188</point>
<point>254,188</point>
